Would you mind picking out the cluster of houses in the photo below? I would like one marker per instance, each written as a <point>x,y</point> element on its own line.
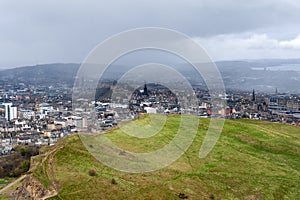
<point>32,115</point>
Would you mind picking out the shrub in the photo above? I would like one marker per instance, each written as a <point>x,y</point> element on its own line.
<point>25,165</point>
<point>92,172</point>
<point>181,195</point>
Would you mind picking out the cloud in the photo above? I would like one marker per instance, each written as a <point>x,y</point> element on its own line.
<point>35,31</point>
<point>291,44</point>
<point>249,46</point>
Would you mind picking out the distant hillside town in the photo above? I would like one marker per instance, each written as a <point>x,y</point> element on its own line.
<point>36,115</point>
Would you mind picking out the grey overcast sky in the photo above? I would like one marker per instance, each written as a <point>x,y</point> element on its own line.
<point>34,31</point>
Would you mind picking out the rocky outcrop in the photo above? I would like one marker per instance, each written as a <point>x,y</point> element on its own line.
<point>31,188</point>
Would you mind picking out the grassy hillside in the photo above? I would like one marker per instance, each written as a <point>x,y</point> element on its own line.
<point>252,160</point>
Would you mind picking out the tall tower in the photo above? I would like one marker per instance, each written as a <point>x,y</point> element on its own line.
<point>253,95</point>
<point>145,90</point>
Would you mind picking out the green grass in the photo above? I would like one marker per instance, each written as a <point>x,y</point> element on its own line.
<point>252,159</point>
<point>5,181</point>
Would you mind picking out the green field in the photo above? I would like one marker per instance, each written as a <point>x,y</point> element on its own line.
<point>251,160</point>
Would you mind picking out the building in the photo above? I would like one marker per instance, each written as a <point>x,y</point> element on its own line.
<point>27,114</point>
<point>253,96</point>
<point>11,111</point>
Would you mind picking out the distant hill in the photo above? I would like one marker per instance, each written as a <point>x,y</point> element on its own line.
<point>47,73</point>
<point>251,160</point>
<point>261,75</point>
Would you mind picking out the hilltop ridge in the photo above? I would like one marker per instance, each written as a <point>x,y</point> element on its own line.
<point>252,160</point>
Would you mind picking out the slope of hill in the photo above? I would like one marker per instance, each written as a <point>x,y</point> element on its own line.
<point>252,160</point>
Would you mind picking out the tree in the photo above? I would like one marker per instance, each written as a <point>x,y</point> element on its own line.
<point>25,165</point>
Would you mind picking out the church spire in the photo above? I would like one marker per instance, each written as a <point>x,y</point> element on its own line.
<point>145,90</point>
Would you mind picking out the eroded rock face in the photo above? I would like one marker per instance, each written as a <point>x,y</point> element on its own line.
<point>31,188</point>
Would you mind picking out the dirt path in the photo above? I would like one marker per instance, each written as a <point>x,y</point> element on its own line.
<point>49,196</point>
<point>49,155</point>
<point>12,183</point>
<point>46,156</point>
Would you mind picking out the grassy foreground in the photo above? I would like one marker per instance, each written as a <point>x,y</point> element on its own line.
<point>251,160</point>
